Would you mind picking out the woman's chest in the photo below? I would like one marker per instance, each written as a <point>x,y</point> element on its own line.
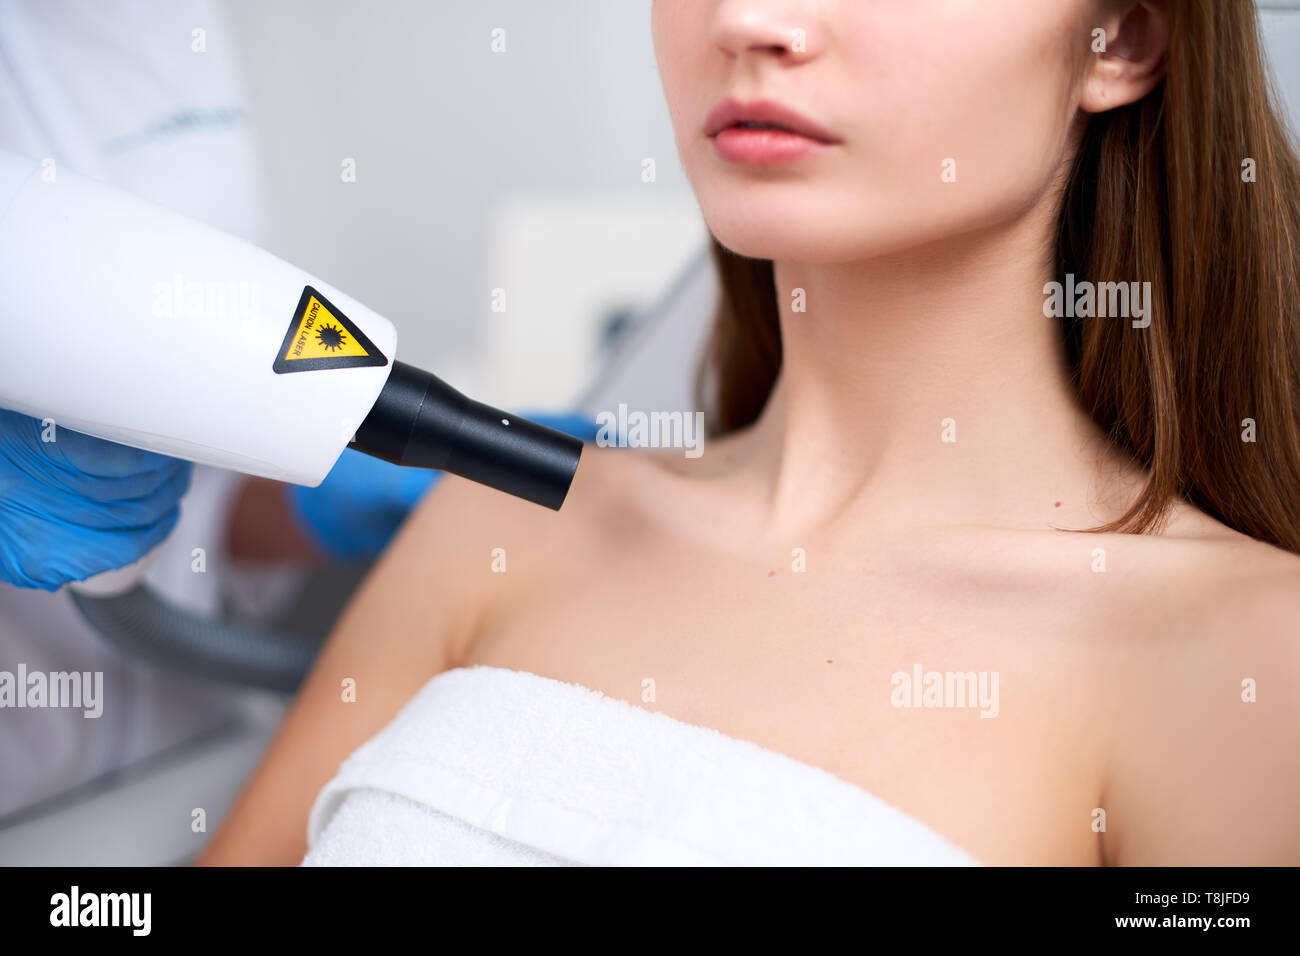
<point>963,710</point>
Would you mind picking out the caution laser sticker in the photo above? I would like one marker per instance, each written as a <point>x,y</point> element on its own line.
<point>321,337</point>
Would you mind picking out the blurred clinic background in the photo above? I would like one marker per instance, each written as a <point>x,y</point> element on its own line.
<point>476,170</point>
<point>431,159</point>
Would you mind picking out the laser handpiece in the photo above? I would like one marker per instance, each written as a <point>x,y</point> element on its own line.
<point>129,322</point>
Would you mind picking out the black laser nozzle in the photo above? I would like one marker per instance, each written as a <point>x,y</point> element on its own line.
<point>421,421</point>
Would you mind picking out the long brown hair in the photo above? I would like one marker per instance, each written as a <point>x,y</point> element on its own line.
<point>1157,191</point>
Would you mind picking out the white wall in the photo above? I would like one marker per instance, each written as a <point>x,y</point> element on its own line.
<point>454,145</point>
<point>1281,20</point>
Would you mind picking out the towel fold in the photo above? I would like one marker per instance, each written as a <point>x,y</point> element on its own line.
<point>488,766</point>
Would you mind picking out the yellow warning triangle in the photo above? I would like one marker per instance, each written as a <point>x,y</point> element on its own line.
<point>321,335</point>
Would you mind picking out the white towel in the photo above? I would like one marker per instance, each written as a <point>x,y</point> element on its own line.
<point>489,766</point>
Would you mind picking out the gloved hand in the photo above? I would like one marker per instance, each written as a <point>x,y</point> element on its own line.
<point>357,509</point>
<point>76,506</point>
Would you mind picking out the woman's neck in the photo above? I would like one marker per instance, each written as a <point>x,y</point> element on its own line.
<point>926,385</point>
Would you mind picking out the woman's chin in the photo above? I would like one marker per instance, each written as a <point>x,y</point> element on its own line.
<point>782,244</point>
<point>780,241</point>
<point>811,229</point>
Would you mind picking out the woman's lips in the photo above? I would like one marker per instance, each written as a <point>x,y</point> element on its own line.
<point>763,147</point>
<point>763,133</point>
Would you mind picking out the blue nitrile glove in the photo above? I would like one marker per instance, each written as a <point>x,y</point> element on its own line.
<point>76,506</point>
<point>357,509</point>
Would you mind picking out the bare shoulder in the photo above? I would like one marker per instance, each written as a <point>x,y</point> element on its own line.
<point>607,493</point>
<point>1218,583</point>
<point>1207,768</point>
<point>493,552</point>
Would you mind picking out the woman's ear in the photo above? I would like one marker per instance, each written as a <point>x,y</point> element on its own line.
<point>1133,59</point>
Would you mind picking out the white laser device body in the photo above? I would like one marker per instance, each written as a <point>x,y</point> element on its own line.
<point>126,321</point>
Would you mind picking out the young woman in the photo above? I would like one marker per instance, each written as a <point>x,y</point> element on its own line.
<point>915,471</point>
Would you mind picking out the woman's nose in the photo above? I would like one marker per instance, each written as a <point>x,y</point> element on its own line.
<point>787,30</point>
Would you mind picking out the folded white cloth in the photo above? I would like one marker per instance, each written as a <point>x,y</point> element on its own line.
<point>488,766</point>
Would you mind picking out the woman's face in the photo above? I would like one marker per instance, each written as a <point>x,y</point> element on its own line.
<point>925,119</point>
